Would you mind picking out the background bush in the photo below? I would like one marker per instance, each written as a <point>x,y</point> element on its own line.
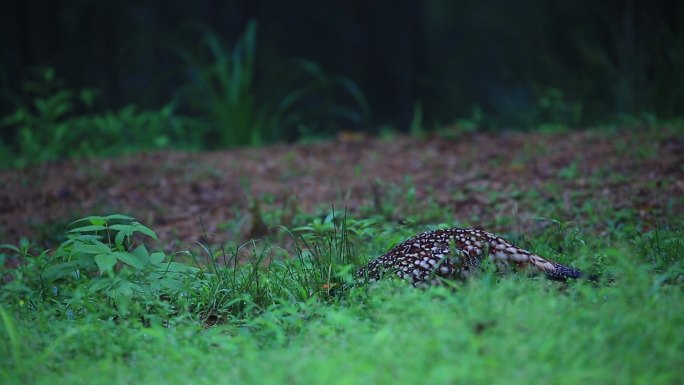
<point>510,63</point>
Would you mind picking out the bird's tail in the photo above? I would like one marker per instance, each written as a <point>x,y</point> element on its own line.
<point>558,272</point>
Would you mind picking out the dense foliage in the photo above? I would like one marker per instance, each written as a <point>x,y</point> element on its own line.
<point>103,302</point>
<point>501,64</point>
<point>222,105</point>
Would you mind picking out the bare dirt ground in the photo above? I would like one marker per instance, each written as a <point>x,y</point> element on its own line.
<point>475,177</point>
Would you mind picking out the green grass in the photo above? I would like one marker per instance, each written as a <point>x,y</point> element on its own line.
<point>512,331</point>
<point>302,319</point>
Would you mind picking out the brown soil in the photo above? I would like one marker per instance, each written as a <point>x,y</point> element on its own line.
<point>472,176</point>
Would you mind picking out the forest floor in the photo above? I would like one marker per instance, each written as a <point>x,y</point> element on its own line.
<point>609,202</point>
<point>503,182</point>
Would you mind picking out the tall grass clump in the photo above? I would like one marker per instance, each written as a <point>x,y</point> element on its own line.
<point>241,104</point>
<point>108,268</point>
<point>319,266</point>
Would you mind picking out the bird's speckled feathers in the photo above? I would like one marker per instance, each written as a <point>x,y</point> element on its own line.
<point>455,254</point>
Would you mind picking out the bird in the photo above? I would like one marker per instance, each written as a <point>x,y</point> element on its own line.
<point>431,257</point>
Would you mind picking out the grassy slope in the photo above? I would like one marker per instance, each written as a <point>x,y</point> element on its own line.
<point>508,330</point>
<point>513,330</point>
<point>529,336</point>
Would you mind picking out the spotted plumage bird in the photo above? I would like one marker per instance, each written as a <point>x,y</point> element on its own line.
<point>456,253</point>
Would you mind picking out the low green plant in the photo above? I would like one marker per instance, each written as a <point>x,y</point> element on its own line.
<point>416,127</point>
<point>105,269</point>
<point>39,128</point>
<point>101,262</point>
<point>556,113</point>
<point>57,122</point>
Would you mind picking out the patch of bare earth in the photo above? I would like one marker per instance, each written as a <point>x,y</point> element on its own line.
<point>479,176</point>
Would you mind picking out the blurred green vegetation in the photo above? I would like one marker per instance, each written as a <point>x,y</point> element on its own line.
<point>95,78</point>
<point>237,107</point>
<point>221,105</point>
<point>49,127</point>
<point>198,75</point>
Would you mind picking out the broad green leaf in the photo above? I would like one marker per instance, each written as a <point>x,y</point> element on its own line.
<point>142,253</point>
<point>125,288</point>
<point>59,271</point>
<point>65,245</point>
<point>85,261</point>
<point>80,238</point>
<point>125,227</point>
<point>96,247</point>
<point>118,240</point>
<point>87,229</point>
<point>105,262</point>
<point>172,285</point>
<point>121,289</point>
<point>99,284</point>
<point>157,258</point>
<point>122,227</point>
<point>146,231</point>
<point>94,220</point>
<point>119,216</point>
<point>129,259</point>
<point>134,227</point>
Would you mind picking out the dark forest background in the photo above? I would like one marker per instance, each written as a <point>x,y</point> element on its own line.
<point>491,64</point>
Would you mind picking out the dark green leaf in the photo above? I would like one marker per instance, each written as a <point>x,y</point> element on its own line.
<point>60,270</point>
<point>157,258</point>
<point>96,247</point>
<point>142,253</point>
<point>99,284</point>
<point>94,220</point>
<point>146,231</point>
<point>119,216</point>
<point>172,285</point>
<point>105,262</point>
<point>87,229</point>
<point>118,240</point>
<point>129,259</point>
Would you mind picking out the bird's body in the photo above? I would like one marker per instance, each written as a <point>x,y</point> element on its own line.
<point>455,254</point>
